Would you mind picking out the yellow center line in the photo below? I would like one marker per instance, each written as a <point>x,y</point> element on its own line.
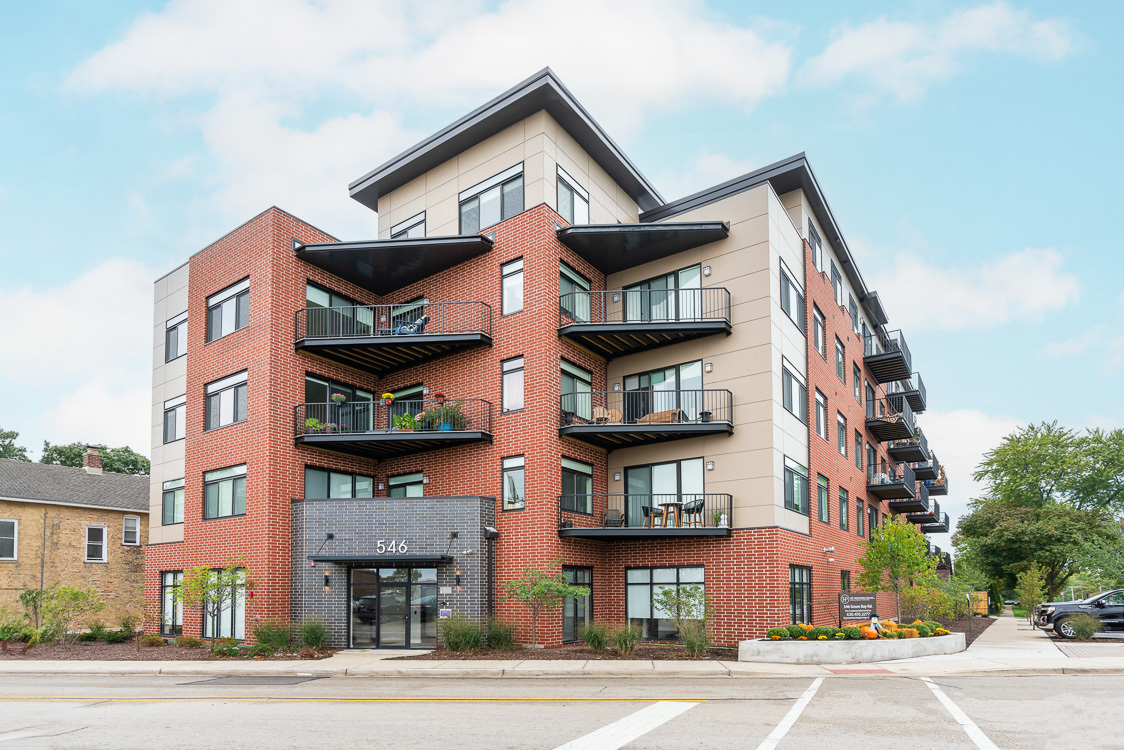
<point>318,699</point>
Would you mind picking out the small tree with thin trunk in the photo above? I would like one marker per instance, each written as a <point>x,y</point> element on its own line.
<point>896,557</point>
<point>213,591</point>
<point>541,591</point>
<point>1030,589</point>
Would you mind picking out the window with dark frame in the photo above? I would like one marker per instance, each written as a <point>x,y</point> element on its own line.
<point>228,310</point>
<point>95,544</point>
<point>577,387</point>
<point>844,510</point>
<point>844,580</point>
<point>175,337</point>
<point>577,612</point>
<point>175,419</point>
<point>573,199</point>
<point>822,498</point>
<point>795,486</point>
<point>232,615</point>
<point>821,415</point>
<point>856,382</point>
<point>171,502</point>
<point>841,432</point>
<point>406,485</point>
<point>577,486</point>
<point>512,382</point>
<point>840,361</point>
<point>225,402</point>
<point>171,611</point>
<point>858,450</point>
<point>324,484</point>
<point>871,520</point>
<point>573,293</point>
<point>859,517</point>
<point>642,584</point>
<point>511,283</point>
<point>853,309</point>
<point>871,459</point>
<point>494,200</point>
<point>224,492</point>
<point>792,298</point>
<point>514,482</point>
<point>794,393</point>
<point>800,594</point>
<point>410,229</point>
<point>819,331</point>
<point>837,284</point>
<point>817,246</point>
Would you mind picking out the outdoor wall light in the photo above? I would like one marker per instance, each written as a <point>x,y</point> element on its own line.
<point>616,476</point>
<point>706,270</point>
<point>616,386</point>
<point>616,296</point>
<point>326,584</point>
<point>425,480</point>
<point>708,367</point>
<point>457,580</point>
<point>425,390</point>
<point>710,466</point>
<point>382,486</point>
<point>829,550</point>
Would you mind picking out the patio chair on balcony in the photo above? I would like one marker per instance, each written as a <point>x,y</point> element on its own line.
<point>613,517</point>
<point>662,417</point>
<point>601,415</point>
<point>693,513</point>
<point>652,520</point>
<point>412,329</point>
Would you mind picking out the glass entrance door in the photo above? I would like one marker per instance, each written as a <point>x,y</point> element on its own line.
<point>393,607</point>
<point>364,608</point>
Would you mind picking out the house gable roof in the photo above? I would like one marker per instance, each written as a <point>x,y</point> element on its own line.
<point>67,485</point>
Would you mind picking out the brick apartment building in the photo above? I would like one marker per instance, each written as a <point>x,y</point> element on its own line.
<point>656,394</point>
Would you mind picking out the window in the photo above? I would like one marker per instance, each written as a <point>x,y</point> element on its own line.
<point>171,611</point>
<point>869,398</point>
<point>794,393</point>
<point>9,538</point>
<point>643,584</point>
<point>577,486</point>
<point>95,544</point>
<point>513,483</point>
<point>573,200</point>
<point>675,387</point>
<point>800,593</point>
<point>841,432</point>
<point>795,486</point>
<point>670,297</point>
<point>866,334</point>
<point>321,484</point>
<point>844,580</point>
<point>232,615</point>
<point>130,531</point>
<point>844,510</point>
<point>856,382</point>
<point>577,387</point>
<point>492,201</point>
<point>859,517</point>
<point>573,294</point>
<point>821,415</point>
<point>840,361</point>
<point>406,485</point>
<point>871,520</point>
<point>329,313</point>
<point>792,298</point>
<point>228,311</point>
<point>822,497</point>
<point>817,246</point>
<point>858,450</point>
<point>871,458</point>
<point>411,228</point>
<point>837,284</point>
<point>650,486</point>
<point>175,418</point>
<point>853,309</point>
<point>511,279</point>
<point>224,492</point>
<point>819,331</point>
<point>226,402</point>
<point>577,612</point>
<point>175,337</point>
<point>356,413</point>
<point>512,384</point>
<point>172,502</point>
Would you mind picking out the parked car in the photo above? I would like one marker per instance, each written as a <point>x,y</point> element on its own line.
<point>1107,606</point>
<point>1012,602</point>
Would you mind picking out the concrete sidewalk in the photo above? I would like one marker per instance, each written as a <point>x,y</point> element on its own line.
<point>1008,647</point>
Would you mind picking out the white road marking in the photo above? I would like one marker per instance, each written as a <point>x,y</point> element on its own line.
<point>780,730</point>
<point>974,732</point>
<point>620,733</point>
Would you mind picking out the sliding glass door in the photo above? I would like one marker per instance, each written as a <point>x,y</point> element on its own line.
<point>653,485</point>
<point>660,391</point>
<point>667,298</point>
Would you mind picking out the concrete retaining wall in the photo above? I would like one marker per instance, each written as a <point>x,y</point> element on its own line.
<point>847,652</point>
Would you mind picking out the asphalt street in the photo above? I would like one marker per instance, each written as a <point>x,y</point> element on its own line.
<point>69,711</point>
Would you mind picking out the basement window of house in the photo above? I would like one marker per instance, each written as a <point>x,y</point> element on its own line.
<point>224,492</point>
<point>175,337</point>
<point>795,486</point>
<point>95,544</point>
<point>171,611</point>
<point>226,401</point>
<point>9,538</point>
<point>512,382</point>
<point>844,510</point>
<point>513,483</point>
<point>322,484</point>
<point>228,311</point>
<point>643,584</point>
<point>171,502</point>
<point>573,199</point>
<point>130,530</point>
<point>511,281</point>
<point>821,415</point>
<point>822,497</point>
<point>232,615</point>
<point>794,392</point>
<point>175,419</point>
<point>492,201</point>
<point>819,331</point>
<point>410,229</point>
<point>406,485</point>
<point>800,593</point>
<point>792,298</point>
<point>817,246</point>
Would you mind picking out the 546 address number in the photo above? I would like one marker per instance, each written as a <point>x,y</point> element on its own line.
<point>393,547</point>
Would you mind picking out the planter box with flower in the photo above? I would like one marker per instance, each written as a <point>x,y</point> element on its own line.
<point>805,644</point>
<point>444,417</point>
<point>406,422</point>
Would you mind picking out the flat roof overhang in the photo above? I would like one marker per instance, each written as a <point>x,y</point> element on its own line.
<point>614,247</point>
<point>381,445</point>
<point>616,534</point>
<point>383,266</point>
<point>381,560</point>
<point>618,339</point>
<point>611,436</point>
<point>385,354</point>
<point>911,452</point>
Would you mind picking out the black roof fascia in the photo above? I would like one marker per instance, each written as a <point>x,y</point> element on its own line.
<point>874,306</point>
<point>614,247</point>
<point>382,266</point>
<point>543,90</point>
<point>785,176</point>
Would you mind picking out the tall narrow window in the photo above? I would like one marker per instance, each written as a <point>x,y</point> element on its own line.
<point>859,517</point>
<point>794,392</point>
<point>130,531</point>
<point>821,415</point>
<point>792,298</point>
<point>840,361</point>
<point>171,502</point>
<point>573,199</point>
<point>577,612</point>
<point>224,492</point>
<point>175,337</point>
<point>837,284</point>
<point>512,384</point>
<point>819,331</point>
<point>577,384</point>
<point>411,228</point>
<point>95,544</point>
<point>844,580</point>
<point>858,450</point>
<point>822,497</point>
<point>800,593</point>
<point>171,611</point>
<point>871,458</point>
<point>577,486</point>
<point>853,309</point>
<point>175,418</point>
<point>232,614</point>
<point>844,510</point>
<point>511,279</point>
<point>817,246</point>
<point>406,485</point>
<point>226,401</point>
<point>513,483</point>
<point>841,432</point>
<point>795,486</point>
<point>856,382</point>
<point>573,294</point>
<point>491,201</point>
<point>871,520</point>
<point>228,311</point>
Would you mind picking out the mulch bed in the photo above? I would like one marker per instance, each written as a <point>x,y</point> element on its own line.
<point>101,651</point>
<point>577,651</point>
<point>979,625</point>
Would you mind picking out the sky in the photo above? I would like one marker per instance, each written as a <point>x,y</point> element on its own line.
<point>970,153</point>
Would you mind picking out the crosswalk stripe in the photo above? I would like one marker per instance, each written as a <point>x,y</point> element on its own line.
<point>621,732</point>
<point>780,730</point>
<point>974,732</point>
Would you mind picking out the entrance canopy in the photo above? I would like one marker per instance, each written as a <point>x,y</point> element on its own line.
<point>382,561</point>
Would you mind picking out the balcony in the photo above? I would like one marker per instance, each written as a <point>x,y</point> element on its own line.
<point>620,419</point>
<point>944,562</point>
<point>377,430</point>
<point>609,517</point>
<point>886,420</point>
<point>925,471</point>
<point>385,338</point>
<point>915,448</point>
<point>931,513</point>
<point>887,356</point>
<point>893,482</point>
<point>938,486</point>
<point>625,321</point>
<point>939,527</point>
<point>912,390</point>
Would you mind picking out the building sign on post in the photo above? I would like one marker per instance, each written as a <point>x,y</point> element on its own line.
<point>856,605</point>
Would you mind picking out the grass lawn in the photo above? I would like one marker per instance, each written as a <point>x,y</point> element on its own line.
<point>1018,611</point>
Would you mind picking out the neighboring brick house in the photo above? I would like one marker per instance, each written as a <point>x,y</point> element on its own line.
<point>78,527</point>
<point>580,371</point>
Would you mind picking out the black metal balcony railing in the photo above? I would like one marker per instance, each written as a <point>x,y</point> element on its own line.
<point>889,418</point>
<point>892,481</point>
<point>938,486</point>
<point>645,408</point>
<point>644,306</point>
<point>915,448</point>
<point>939,526</point>
<point>911,389</point>
<point>376,417</point>
<point>928,470</point>
<point>658,512</point>
<point>373,321</point>
<point>887,356</point>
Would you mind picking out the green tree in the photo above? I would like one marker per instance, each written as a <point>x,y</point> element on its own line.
<point>122,460</point>
<point>690,609</point>
<point>8,447</point>
<point>1105,556</point>
<point>896,556</point>
<point>1030,589</point>
<point>212,591</point>
<point>541,591</point>
<point>67,607</point>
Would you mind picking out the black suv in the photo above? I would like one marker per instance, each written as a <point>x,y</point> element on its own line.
<point>1107,606</point>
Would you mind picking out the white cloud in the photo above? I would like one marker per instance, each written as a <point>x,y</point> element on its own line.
<point>708,169</point>
<point>1077,345</point>
<point>903,58</point>
<point>1023,285</point>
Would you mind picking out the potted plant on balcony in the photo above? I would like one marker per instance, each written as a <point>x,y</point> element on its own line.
<point>312,424</point>
<point>405,423</point>
<point>439,397</point>
<point>719,517</point>
<point>339,398</point>
<point>330,427</point>
<point>445,417</point>
<point>388,398</point>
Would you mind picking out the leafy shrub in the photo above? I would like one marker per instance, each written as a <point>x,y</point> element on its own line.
<point>815,633</point>
<point>187,641</point>
<point>224,647</point>
<point>795,631</point>
<point>891,634</point>
<point>595,635</point>
<point>152,640</point>
<point>314,634</point>
<point>460,634</point>
<point>88,636</point>
<point>11,625</point>
<point>695,637</point>
<point>626,638</point>
<point>1085,626</point>
<point>97,630</point>
<point>777,634</point>
<point>933,625</point>
<point>117,636</point>
<point>500,634</point>
<point>128,624</point>
<point>923,631</point>
<point>907,633</point>
<point>261,650</point>
<point>43,634</point>
<point>273,634</point>
<point>852,633</point>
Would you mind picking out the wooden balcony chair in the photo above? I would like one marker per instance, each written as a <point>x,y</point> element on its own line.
<point>662,417</point>
<point>650,518</point>
<point>601,415</point>
<point>693,513</point>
